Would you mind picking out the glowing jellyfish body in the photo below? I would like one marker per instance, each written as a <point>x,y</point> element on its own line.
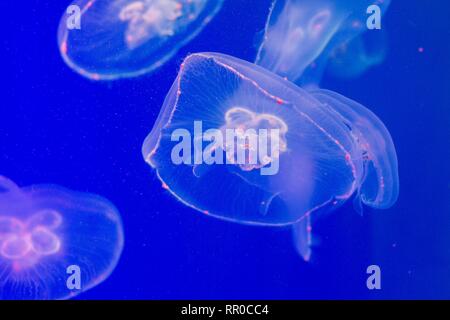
<point>319,147</point>
<point>302,35</point>
<point>127,38</point>
<point>46,232</point>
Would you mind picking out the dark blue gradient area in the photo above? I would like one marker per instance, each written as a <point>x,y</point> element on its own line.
<point>57,127</point>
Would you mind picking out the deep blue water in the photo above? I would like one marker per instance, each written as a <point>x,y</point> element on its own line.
<point>57,127</point>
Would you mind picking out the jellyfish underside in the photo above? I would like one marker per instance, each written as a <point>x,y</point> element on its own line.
<point>128,38</point>
<point>324,154</point>
<point>46,229</point>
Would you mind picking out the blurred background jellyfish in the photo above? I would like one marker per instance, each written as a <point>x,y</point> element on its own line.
<point>126,38</point>
<point>48,234</point>
<point>353,58</point>
<point>240,143</point>
<point>301,36</point>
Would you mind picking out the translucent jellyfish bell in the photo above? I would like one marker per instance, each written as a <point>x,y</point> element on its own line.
<point>127,38</point>
<point>319,148</point>
<point>45,231</point>
<point>302,35</point>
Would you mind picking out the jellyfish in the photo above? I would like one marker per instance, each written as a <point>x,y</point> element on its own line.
<point>353,58</point>
<point>127,38</point>
<point>240,143</point>
<point>301,36</point>
<point>55,243</point>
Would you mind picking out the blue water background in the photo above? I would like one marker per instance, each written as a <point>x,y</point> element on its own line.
<point>57,127</point>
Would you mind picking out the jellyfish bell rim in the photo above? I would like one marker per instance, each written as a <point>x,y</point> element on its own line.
<point>8,188</point>
<point>111,77</point>
<point>381,201</point>
<point>62,36</point>
<point>7,184</point>
<point>206,213</point>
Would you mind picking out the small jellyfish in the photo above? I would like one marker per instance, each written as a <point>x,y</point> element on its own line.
<point>353,58</point>
<point>302,35</point>
<point>240,143</point>
<point>128,38</point>
<point>55,243</point>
